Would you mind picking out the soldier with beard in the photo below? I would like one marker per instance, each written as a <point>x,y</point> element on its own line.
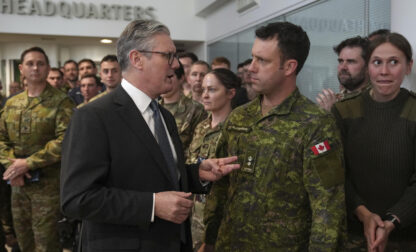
<point>352,71</point>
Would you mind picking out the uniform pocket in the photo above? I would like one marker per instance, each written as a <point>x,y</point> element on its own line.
<point>330,169</point>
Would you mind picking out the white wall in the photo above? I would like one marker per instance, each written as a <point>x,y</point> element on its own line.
<point>403,21</point>
<point>178,15</point>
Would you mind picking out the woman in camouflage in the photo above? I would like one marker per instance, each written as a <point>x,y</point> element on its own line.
<point>221,93</point>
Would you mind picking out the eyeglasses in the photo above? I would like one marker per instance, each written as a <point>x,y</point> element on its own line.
<point>169,55</point>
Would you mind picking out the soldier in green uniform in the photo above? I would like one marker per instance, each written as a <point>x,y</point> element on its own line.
<point>187,112</point>
<point>289,193</point>
<point>218,92</point>
<point>32,126</point>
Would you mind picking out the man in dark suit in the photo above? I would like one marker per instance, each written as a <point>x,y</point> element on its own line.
<point>117,174</point>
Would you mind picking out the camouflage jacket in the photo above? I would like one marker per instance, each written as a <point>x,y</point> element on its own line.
<point>344,94</point>
<point>34,127</point>
<point>188,114</point>
<point>204,141</point>
<point>289,193</point>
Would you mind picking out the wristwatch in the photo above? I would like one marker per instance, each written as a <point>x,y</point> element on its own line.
<point>392,219</point>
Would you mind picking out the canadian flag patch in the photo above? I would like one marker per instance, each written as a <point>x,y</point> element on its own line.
<point>321,148</point>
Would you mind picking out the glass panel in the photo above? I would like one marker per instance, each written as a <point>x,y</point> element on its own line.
<point>327,24</point>
<point>245,42</point>
<point>379,15</point>
<point>228,48</point>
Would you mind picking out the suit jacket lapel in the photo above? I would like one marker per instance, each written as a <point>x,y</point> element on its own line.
<point>173,132</point>
<point>134,120</point>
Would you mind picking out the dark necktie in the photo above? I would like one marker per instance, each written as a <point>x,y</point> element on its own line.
<point>162,139</point>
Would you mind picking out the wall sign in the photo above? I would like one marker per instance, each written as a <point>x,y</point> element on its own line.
<point>80,10</point>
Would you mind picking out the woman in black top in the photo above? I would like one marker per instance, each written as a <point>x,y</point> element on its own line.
<point>379,134</point>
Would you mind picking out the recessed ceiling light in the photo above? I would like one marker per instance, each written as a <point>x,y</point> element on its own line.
<point>106,41</point>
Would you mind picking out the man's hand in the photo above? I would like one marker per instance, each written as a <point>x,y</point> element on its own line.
<point>18,181</point>
<point>17,168</point>
<point>326,99</point>
<point>215,168</point>
<point>371,222</point>
<point>382,236</point>
<point>206,248</point>
<point>173,206</point>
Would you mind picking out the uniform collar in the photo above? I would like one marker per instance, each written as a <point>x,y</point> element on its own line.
<point>285,107</point>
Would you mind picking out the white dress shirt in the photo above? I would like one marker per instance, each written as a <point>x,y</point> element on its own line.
<point>142,102</point>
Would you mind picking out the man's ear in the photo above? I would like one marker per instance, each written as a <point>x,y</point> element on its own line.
<point>136,59</point>
<point>290,66</point>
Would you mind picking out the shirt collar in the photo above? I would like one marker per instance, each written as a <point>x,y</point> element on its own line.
<point>141,99</point>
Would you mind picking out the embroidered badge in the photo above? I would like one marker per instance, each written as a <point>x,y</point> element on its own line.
<point>321,148</point>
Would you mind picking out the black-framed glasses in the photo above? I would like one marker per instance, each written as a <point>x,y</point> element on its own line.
<point>169,55</point>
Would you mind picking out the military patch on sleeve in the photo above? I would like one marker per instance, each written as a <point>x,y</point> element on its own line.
<point>321,148</point>
<point>330,169</point>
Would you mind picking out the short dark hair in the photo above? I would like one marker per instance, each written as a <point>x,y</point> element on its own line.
<point>109,58</point>
<point>34,49</point>
<point>179,72</point>
<point>89,61</point>
<point>378,32</point>
<point>201,62</point>
<point>397,40</point>
<point>190,55</point>
<point>97,81</point>
<point>221,60</point>
<point>230,80</point>
<point>247,62</point>
<point>71,61</point>
<point>292,41</point>
<point>354,42</point>
<point>55,69</point>
<point>240,65</point>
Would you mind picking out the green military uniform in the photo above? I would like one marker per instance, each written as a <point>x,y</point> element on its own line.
<point>33,128</point>
<point>345,94</point>
<point>288,194</point>
<point>188,113</point>
<point>203,146</point>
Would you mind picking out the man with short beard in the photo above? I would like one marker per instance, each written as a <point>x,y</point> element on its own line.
<point>352,71</point>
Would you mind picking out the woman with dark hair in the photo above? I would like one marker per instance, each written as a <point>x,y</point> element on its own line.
<point>219,89</point>
<point>379,133</point>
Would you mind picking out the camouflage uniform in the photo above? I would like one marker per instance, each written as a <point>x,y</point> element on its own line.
<point>33,128</point>
<point>188,113</point>
<point>289,192</point>
<point>203,146</point>
<point>344,94</point>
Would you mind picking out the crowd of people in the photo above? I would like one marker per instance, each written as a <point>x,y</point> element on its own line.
<point>160,151</point>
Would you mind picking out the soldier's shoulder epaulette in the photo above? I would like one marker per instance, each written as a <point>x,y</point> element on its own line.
<point>409,109</point>
<point>350,96</point>
<point>412,93</point>
<point>350,107</point>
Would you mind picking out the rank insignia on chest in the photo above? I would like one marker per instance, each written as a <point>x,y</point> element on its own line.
<point>321,148</point>
<point>249,161</point>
